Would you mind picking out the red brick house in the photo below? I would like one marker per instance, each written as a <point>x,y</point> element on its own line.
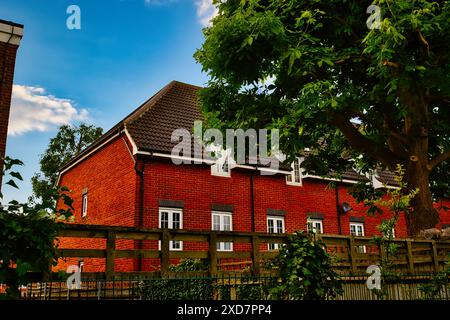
<point>127,178</point>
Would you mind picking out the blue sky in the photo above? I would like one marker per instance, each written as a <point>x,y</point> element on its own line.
<point>125,51</point>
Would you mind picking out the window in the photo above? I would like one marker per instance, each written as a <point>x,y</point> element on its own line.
<point>222,221</point>
<point>275,225</point>
<point>295,178</point>
<point>357,230</point>
<point>222,165</point>
<point>314,226</point>
<point>171,219</point>
<point>84,204</point>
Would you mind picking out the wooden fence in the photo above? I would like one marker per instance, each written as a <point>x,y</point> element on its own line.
<point>351,255</point>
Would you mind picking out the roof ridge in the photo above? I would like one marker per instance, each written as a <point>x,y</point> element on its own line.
<point>187,84</point>
<point>149,103</point>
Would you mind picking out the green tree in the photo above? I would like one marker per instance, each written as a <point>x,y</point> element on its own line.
<point>357,97</point>
<point>68,142</point>
<point>28,233</point>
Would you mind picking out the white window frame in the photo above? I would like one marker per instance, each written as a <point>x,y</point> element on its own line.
<point>275,219</point>
<point>221,246</point>
<point>291,179</point>
<point>313,222</point>
<point>84,205</point>
<point>217,167</point>
<point>170,212</point>
<point>360,249</point>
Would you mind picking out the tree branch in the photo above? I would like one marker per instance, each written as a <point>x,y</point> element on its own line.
<point>424,41</point>
<point>438,160</point>
<point>363,144</point>
<point>391,64</point>
<point>343,22</point>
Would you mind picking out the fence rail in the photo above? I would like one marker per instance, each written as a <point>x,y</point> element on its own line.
<point>351,255</point>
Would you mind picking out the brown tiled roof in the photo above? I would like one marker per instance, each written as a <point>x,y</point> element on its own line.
<point>174,107</point>
<point>347,175</point>
<point>386,177</point>
<point>353,175</point>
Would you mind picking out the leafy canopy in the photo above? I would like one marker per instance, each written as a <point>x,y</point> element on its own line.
<point>356,97</point>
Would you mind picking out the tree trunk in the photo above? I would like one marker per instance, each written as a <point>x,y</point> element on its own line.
<point>424,215</point>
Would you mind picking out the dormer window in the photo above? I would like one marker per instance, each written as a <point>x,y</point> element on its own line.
<point>295,178</point>
<point>222,165</point>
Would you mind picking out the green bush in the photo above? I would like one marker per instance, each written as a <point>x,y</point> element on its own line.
<point>438,283</point>
<point>177,289</point>
<point>182,288</point>
<point>27,234</point>
<point>305,270</point>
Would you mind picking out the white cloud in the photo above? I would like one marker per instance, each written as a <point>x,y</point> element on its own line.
<point>205,11</point>
<point>34,110</point>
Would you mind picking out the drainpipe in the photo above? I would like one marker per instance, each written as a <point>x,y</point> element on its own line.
<point>140,172</point>
<point>338,208</point>
<point>252,203</point>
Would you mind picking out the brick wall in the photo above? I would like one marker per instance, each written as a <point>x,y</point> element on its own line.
<point>8,57</point>
<point>113,193</point>
<point>109,178</point>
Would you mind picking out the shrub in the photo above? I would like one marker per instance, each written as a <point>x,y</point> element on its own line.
<point>27,234</point>
<point>305,270</point>
<point>439,282</point>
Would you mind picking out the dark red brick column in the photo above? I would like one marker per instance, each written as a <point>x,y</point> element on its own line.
<point>10,36</point>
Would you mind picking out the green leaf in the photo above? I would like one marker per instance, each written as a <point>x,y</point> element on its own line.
<point>12,184</point>
<point>16,175</point>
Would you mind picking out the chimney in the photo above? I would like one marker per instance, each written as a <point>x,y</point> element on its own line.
<point>10,35</point>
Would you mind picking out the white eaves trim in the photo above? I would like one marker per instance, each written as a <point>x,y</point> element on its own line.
<point>10,34</point>
<point>329,179</point>
<point>135,149</point>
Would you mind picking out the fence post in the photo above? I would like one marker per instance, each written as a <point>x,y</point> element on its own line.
<point>47,274</point>
<point>409,257</point>
<point>435,256</point>
<point>165,252</point>
<point>255,255</point>
<point>382,248</point>
<point>213,254</point>
<point>110,253</point>
<point>352,252</point>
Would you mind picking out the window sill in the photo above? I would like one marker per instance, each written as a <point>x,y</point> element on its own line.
<point>221,175</point>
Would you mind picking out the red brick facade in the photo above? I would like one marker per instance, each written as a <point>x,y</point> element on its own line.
<point>110,179</point>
